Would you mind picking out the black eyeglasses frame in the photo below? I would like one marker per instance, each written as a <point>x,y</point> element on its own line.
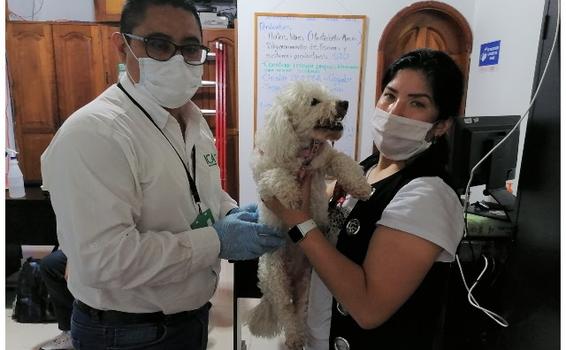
<point>178,48</point>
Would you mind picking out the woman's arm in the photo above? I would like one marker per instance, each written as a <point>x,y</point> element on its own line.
<point>394,267</point>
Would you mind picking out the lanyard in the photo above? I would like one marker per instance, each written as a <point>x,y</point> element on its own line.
<point>192,182</point>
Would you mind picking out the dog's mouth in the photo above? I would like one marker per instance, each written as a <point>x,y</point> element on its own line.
<point>333,125</point>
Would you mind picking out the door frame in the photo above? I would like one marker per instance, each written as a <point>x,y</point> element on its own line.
<point>409,10</point>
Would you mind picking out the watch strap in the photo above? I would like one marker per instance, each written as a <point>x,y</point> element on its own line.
<point>298,232</point>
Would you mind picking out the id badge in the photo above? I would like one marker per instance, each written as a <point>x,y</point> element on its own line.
<point>203,219</point>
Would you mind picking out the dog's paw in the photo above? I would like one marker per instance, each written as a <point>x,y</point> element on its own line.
<point>361,191</point>
<point>262,320</point>
<point>294,343</point>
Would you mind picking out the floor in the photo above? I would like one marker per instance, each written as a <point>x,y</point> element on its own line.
<point>28,336</point>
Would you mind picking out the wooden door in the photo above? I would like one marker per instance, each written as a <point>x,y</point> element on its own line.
<point>108,10</point>
<point>111,57</point>
<point>31,73</point>
<point>205,99</point>
<point>428,24</point>
<point>79,66</point>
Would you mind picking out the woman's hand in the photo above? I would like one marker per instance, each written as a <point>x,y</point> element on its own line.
<point>292,217</point>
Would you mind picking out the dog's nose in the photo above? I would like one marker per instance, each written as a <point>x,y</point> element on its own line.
<point>342,107</point>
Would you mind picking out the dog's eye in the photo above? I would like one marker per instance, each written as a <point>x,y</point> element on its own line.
<point>314,102</point>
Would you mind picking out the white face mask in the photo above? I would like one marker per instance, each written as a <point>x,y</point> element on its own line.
<point>399,138</point>
<point>171,83</point>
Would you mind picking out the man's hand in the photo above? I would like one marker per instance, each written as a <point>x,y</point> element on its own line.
<point>250,208</point>
<point>242,238</point>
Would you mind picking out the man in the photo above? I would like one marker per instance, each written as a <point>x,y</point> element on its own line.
<point>52,268</point>
<point>140,213</point>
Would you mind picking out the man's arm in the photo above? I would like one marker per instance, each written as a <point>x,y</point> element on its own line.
<point>97,198</point>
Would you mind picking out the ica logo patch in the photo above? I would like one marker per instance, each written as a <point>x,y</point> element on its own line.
<point>210,159</point>
<point>203,220</point>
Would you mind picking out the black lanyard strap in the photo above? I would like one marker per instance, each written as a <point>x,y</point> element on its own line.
<point>192,182</point>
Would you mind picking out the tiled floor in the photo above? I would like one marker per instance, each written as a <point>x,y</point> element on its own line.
<point>29,336</point>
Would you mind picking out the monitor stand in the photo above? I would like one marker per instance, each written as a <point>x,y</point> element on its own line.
<point>505,198</point>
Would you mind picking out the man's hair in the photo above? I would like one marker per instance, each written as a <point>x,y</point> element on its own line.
<point>134,12</point>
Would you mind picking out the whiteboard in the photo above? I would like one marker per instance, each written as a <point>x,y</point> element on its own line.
<point>323,48</point>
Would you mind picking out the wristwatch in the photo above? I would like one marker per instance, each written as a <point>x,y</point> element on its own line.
<point>298,232</point>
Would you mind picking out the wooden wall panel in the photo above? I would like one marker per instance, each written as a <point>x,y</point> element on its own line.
<point>79,66</point>
<point>33,146</point>
<point>29,49</point>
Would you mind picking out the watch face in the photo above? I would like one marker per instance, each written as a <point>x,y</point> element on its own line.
<point>295,234</point>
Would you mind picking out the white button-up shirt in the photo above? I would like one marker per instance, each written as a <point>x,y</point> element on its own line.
<point>124,205</point>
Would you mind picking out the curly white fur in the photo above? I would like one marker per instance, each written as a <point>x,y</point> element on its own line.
<point>303,115</point>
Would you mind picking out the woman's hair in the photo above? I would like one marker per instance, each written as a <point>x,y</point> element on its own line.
<point>447,84</point>
<point>442,74</point>
<point>134,12</point>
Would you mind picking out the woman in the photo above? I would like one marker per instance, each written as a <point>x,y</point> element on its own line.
<point>383,284</point>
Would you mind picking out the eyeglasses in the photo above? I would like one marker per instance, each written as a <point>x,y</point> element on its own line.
<point>163,49</point>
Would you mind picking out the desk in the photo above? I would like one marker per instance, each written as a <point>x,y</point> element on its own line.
<point>30,220</point>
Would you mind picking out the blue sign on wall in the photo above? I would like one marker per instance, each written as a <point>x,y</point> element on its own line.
<point>489,53</point>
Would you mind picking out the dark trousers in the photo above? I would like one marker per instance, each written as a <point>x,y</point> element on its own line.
<point>53,275</point>
<point>104,330</point>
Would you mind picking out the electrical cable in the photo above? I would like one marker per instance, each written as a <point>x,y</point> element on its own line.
<point>471,299</point>
<point>33,12</point>
<point>467,191</point>
<point>20,17</point>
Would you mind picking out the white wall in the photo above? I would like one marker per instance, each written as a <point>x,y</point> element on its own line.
<point>50,10</point>
<point>504,90</point>
<point>378,14</point>
<point>507,88</point>
<point>11,140</point>
<point>54,10</point>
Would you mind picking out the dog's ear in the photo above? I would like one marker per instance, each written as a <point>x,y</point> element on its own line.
<point>288,114</point>
<point>279,138</point>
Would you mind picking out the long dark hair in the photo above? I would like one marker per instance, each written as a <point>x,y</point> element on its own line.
<point>445,80</point>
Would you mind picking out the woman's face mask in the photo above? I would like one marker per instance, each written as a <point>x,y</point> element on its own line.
<point>171,83</point>
<point>399,138</point>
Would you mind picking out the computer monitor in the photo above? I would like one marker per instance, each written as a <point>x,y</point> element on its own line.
<point>470,140</point>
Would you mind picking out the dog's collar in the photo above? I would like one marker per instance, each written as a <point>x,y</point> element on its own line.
<point>311,152</point>
<point>308,156</point>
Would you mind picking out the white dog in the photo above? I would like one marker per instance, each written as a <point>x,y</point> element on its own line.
<point>303,118</point>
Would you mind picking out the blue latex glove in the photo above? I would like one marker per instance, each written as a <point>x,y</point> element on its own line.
<point>242,238</point>
<point>250,208</point>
